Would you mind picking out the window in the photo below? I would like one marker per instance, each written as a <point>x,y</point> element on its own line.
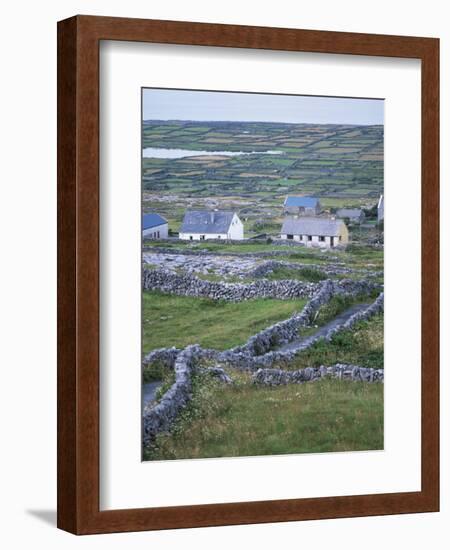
<point>202,237</point>
<point>321,238</point>
<point>157,234</point>
<point>190,237</point>
<point>290,237</point>
<point>309,237</point>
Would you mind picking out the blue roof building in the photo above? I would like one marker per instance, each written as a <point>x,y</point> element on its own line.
<point>302,205</point>
<point>152,220</point>
<point>154,226</point>
<point>306,202</point>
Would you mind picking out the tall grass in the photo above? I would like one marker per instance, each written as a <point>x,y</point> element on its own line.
<point>247,420</point>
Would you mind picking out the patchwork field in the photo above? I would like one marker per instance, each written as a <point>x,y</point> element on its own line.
<point>341,164</point>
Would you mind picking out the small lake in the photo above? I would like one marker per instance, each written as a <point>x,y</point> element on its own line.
<point>161,153</point>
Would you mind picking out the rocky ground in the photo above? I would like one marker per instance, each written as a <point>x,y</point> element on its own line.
<point>204,264</point>
<point>239,265</point>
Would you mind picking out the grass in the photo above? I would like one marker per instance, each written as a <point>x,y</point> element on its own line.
<point>248,420</point>
<point>308,274</point>
<point>169,320</point>
<point>362,345</point>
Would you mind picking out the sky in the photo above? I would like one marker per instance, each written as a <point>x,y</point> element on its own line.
<point>159,104</point>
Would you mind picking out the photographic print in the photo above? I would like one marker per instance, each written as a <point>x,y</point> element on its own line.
<point>262,274</point>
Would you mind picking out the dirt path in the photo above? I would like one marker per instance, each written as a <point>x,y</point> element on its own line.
<point>149,391</point>
<point>300,342</point>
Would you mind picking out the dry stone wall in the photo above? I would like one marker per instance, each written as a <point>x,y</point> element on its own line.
<point>245,358</point>
<point>277,377</point>
<point>190,285</point>
<point>158,418</point>
<point>256,357</point>
<point>286,331</point>
<point>164,356</point>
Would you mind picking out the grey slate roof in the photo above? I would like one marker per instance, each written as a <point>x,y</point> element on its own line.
<point>312,226</point>
<point>206,221</point>
<point>349,213</point>
<point>152,220</point>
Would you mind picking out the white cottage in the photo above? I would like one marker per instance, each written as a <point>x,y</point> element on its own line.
<point>154,226</point>
<point>200,225</point>
<point>315,232</point>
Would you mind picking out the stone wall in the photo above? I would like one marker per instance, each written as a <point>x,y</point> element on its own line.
<point>376,307</point>
<point>256,356</point>
<point>286,331</point>
<point>258,352</point>
<point>276,377</point>
<point>190,285</point>
<point>158,418</point>
<point>244,357</point>
<point>286,289</point>
<point>165,356</point>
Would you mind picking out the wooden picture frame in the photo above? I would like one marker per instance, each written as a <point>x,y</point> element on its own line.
<point>78,274</point>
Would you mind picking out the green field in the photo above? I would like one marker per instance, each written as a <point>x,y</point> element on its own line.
<point>341,164</point>
<point>178,321</point>
<point>247,420</point>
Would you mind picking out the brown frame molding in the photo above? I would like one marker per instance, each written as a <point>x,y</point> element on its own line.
<point>78,273</point>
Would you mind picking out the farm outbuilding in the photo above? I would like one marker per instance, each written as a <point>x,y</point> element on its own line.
<point>200,225</point>
<point>315,232</point>
<point>154,226</point>
<point>354,215</point>
<point>302,206</point>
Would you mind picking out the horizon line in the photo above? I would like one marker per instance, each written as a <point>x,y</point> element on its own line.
<point>258,122</point>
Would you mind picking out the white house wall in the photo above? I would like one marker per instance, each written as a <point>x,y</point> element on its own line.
<point>152,232</point>
<point>236,229</point>
<point>235,233</point>
<point>208,236</point>
<point>314,242</point>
